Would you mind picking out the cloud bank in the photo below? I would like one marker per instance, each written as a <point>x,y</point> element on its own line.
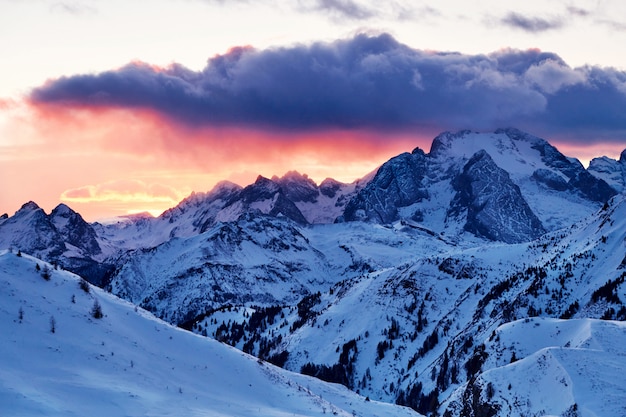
<point>365,82</point>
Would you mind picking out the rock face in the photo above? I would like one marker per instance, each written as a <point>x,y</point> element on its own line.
<point>550,179</point>
<point>398,183</point>
<point>329,187</point>
<point>494,205</point>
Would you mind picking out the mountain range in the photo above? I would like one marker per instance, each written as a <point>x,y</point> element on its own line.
<point>469,280</point>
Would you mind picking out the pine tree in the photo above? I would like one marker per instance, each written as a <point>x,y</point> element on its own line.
<point>46,273</point>
<point>83,285</point>
<point>96,310</point>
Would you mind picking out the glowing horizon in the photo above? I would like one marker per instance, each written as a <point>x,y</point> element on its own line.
<point>154,164</point>
<point>110,122</point>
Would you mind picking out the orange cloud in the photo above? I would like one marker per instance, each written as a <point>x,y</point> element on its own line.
<point>132,195</point>
<point>123,191</point>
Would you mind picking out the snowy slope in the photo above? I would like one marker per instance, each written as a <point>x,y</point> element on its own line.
<point>412,308</point>
<point>128,363</point>
<point>258,259</point>
<point>559,368</point>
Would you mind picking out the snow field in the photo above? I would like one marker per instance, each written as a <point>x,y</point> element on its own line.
<point>129,363</point>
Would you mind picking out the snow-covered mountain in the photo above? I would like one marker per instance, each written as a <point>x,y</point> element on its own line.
<point>60,357</point>
<point>610,170</point>
<point>63,237</point>
<point>318,204</point>
<point>293,196</point>
<point>525,183</point>
<point>257,259</point>
<point>393,286</point>
<point>408,324</point>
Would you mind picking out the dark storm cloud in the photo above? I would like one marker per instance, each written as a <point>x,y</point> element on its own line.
<point>363,82</point>
<point>531,24</point>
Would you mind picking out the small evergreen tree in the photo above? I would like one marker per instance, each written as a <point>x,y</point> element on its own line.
<point>96,310</point>
<point>53,324</point>
<point>20,314</point>
<point>83,285</point>
<point>46,273</point>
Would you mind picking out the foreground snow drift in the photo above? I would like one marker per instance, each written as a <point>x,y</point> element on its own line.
<point>56,358</point>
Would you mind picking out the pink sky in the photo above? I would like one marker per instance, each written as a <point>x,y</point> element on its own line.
<point>104,163</point>
<point>114,107</point>
<point>111,162</point>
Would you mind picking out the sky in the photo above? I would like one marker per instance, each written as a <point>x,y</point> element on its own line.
<point>115,107</point>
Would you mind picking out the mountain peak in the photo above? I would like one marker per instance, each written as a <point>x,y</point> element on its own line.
<point>265,196</point>
<point>292,176</point>
<point>224,188</point>
<point>444,140</point>
<point>62,210</point>
<point>467,142</point>
<point>622,157</point>
<point>329,187</point>
<point>298,187</point>
<point>30,206</point>
<point>516,134</point>
<point>263,183</point>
